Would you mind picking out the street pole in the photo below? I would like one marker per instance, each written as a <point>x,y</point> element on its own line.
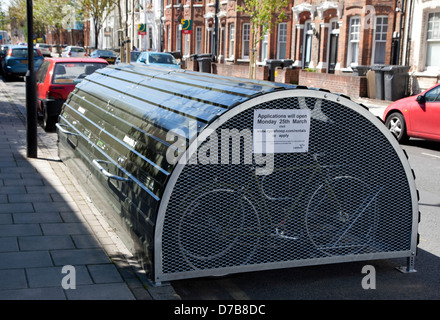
<point>31,105</point>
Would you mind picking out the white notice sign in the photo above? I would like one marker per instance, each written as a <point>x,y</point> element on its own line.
<point>281,131</point>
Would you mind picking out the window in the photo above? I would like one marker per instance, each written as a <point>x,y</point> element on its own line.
<point>433,40</point>
<point>264,46</point>
<point>211,39</point>
<point>41,73</point>
<point>198,40</point>
<point>21,53</point>
<point>433,95</point>
<point>68,73</point>
<point>231,39</point>
<point>168,38</point>
<point>245,40</point>
<point>307,44</point>
<point>178,37</point>
<point>150,37</point>
<point>353,41</point>
<point>282,40</point>
<point>380,40</point>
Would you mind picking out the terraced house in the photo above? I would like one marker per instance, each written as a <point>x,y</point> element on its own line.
<point>324,36</point>
<point>330,37</point>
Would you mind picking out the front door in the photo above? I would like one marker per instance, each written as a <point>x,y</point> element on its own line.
<point>333,56</point>
<point>307,52</point>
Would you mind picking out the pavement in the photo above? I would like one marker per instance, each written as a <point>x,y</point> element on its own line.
<point>377,107</point>
<point>54,244</point>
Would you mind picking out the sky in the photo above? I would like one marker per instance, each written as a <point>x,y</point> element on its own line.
<point>5,4</point>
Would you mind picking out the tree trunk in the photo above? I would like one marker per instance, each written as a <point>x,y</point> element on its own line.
<point>252,64</point>
<point>97,29</point>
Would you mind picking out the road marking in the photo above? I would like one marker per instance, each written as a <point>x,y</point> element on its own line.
<point>431,155</point>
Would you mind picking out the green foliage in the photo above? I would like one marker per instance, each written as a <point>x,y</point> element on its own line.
<point>263,15</point>
<point>98,10</point>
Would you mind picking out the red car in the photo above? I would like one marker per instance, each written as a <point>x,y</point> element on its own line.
<point>416,116</point>
<point>55,79</point>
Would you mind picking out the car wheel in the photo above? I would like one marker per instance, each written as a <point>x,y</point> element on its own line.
<point>395,122</point>
<point>8,78</point>
<point>48,122</point>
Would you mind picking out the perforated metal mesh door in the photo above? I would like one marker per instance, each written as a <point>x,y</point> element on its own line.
<point>348,197</point>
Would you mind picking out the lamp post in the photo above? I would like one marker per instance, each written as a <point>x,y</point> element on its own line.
<point>31,105</point>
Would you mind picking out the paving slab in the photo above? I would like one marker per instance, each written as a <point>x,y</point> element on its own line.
<point>110,291</point>
<point>47,223</point>
<point>79,256</point>
<point>13,279</point>
<point>25,259</point>
<point>46,243</point>
<point>55,293</point>
<point>53,276</point>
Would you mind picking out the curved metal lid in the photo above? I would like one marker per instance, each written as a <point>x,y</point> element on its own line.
<point>168,97</point>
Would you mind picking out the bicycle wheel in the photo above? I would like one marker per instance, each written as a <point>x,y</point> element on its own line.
<point>340,216</point>
<point>218,228</point>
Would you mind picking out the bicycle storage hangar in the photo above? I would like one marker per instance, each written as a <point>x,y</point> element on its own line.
<point>205,175</point>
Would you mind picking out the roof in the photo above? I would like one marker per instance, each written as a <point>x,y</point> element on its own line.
<point>79,59</point>
<point>14,46</point>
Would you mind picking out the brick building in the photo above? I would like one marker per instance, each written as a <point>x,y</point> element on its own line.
<point>329,36</point>
<point>421,42</point>
<point>325,36</point>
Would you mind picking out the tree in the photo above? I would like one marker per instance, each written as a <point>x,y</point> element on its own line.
<point>47,14</point>
<point>51,13</point>
<point>98,10</point>
<point>263,14</point>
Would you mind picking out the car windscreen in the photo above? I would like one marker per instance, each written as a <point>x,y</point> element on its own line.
<point>77,49</point>
<point>135,55</point>
<point>106,53</point>
<point>72,73</point>
<point>161,58</point>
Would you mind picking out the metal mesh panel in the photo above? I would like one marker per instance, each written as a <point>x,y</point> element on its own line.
<point>347,196</point>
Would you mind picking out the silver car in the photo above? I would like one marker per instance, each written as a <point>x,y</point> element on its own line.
<point>44,49</point>
<point>73,51</point>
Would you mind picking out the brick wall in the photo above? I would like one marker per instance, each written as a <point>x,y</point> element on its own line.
<point>352,86</point>
<point>237,70</point>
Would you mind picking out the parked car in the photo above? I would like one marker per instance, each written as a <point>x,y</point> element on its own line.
<point>73,51</point>
<point>107,55</point>
<point>3,52</point>
<point>55,79</point>
<point>15,62</point>
<point>44,49</point>
<point>416,116</point>
<point>133,55</point>
<point>161,59</point>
